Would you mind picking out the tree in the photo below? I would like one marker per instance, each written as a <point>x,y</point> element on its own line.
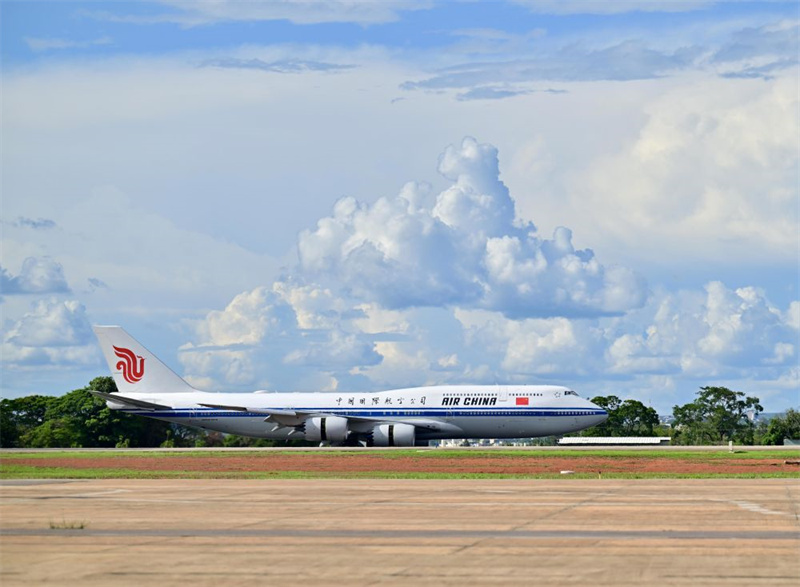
<point>76,419</point>
<point>79,419</point>
<point>782,427</point>
<point>20,416</point>
<point>625,418</point>
<point>716,416</point>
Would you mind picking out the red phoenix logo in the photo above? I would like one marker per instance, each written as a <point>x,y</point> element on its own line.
<point>132,369</point>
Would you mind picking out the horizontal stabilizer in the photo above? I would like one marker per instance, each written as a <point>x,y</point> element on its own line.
<point>135,403</point>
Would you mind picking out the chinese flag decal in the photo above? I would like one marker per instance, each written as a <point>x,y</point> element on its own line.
<point>522,401</point>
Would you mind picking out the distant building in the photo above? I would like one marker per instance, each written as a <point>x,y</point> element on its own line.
<point>614,440</point>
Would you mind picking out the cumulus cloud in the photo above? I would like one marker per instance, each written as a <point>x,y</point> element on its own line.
<point>712,172</point>
<point>248,319</point>
<point>52,333</point>
<point>713,334</point>
<point>717,332</point>
<point>519,349</point>
<point>277,334</point>
<point>463,246</point>
<point>39,275</point>
<point>52,323</point>
<point>338,351</point>
<point>382,287</point>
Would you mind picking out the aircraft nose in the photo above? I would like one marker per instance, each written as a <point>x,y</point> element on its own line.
<point>600,415</point>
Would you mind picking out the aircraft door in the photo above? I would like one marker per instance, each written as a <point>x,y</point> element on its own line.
<point>502,393</point>
<point>448,408</point>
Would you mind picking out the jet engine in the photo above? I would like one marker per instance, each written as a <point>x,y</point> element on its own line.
<point>328,428</point>
<point>393,435</point>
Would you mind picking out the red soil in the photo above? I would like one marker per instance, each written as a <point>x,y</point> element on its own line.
<point>359,462</point>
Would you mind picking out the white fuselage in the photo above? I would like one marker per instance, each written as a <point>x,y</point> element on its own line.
<point>438,412</point>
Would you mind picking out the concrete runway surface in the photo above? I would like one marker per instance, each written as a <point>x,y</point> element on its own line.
<point>400,532</point>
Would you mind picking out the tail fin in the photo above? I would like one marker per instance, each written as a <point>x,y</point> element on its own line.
<point>135,369</point>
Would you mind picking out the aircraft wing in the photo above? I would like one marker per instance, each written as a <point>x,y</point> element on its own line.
<point>295,417</point>
<point>134,403</point>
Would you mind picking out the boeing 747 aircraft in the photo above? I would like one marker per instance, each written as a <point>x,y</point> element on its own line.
<point>400,417</point>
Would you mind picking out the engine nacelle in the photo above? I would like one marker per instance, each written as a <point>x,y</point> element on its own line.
<point>393,435</point>
<point>326,429</point>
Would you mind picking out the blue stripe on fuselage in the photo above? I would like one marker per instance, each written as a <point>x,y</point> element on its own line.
<point>482,411</point>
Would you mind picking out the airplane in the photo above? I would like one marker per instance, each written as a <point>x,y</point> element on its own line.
<point>399,417</point>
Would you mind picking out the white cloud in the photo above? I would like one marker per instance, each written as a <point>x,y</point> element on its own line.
<point>399,365</point>
<point>518,349</point>
<point>792,316</point>
<point>52,334</point>
<point>215,165</point>
<point>760,52</point>
<point>314,307</point>
<point>247,320</point>
<point>623,61</point>
<point>721,333</point>
<point>612,7</point>
<point>339,351</point>
<point>712,174</point>
<point>378,320</point>
<point>52,44</point>
<point>448,361</point>
<point>205,12</point>
<point>463,247</point>
<point>211,369</point>
<point>39,275</point>
<point>282,66</point>
<point>431,287</point>
<point>271,335</point>
<point>142,257</point>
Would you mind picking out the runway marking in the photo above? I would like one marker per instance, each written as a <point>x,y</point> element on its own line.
<point>754,507</point>
<point>339,533</point>
<point>99,493</point>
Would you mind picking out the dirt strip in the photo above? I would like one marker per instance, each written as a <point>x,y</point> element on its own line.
<point>358,463</point>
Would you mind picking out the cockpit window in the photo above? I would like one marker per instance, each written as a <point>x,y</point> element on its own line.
<point>570,392</point>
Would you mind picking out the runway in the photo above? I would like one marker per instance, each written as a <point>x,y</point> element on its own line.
<point>400,532</point>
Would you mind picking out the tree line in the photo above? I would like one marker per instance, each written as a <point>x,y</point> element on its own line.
<point>78,419</point>
<point>716,416</point>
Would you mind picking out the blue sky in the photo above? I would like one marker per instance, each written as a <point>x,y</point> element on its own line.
<point>352,195</point>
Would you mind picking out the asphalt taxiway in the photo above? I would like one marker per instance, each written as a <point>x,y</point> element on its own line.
<point>400,532</point>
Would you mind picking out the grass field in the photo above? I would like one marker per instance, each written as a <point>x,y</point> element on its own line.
<point>417,453</point>
<point>401,464</point>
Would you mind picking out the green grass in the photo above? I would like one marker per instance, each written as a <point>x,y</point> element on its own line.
<point>67,525</point>
<point>11,468</point>
<point>450,454</point>
<point>30,472</point>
